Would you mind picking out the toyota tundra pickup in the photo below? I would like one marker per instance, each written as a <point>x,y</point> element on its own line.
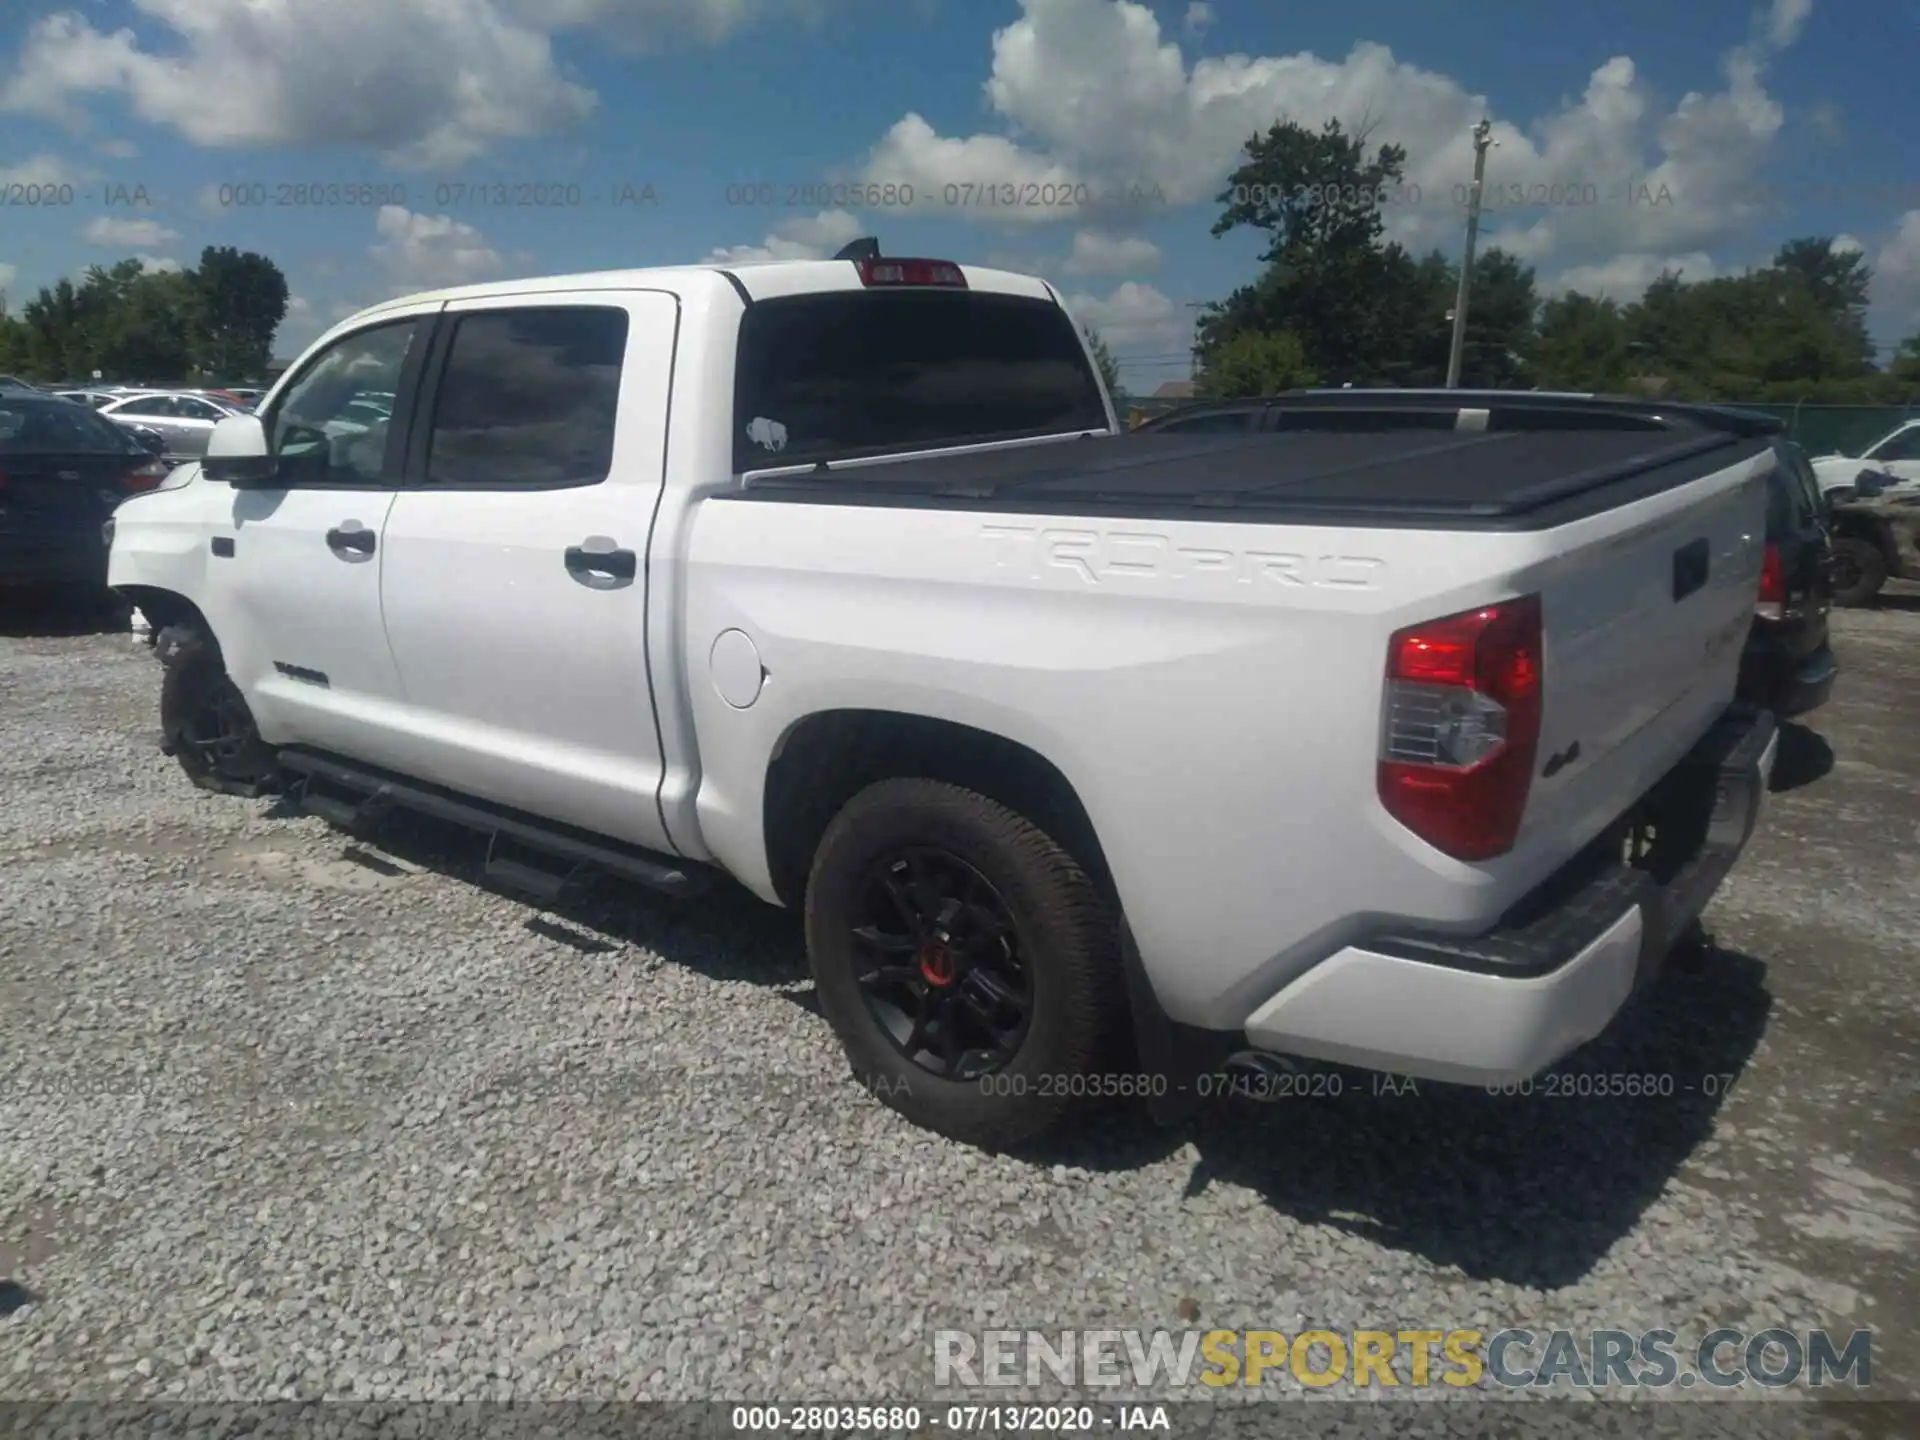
<point>1398,734</point>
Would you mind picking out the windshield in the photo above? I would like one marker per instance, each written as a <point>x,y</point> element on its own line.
<point>58,427</point>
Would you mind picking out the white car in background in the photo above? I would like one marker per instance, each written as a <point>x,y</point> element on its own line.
<point>182,419</point>
<point>1894,460</point>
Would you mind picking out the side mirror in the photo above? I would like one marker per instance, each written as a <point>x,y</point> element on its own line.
<point>237,452</point>
<point>1867,484</point>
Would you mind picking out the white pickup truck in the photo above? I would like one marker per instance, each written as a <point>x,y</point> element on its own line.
<point>1400,738</point>
<point>1893,459</point>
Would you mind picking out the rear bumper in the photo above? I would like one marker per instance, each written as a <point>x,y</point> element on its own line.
<point>1499,1007</point>
<point>52,560</point>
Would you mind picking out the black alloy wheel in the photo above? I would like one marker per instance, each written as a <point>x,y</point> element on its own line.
<point>941,964</point>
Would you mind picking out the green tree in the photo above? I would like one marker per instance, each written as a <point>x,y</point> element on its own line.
<point>1838,283</point>
<point>1581,344</point>
<point>242,298</point>
<point>1500,322</point>
<point>164,327</point>
<point>1327,275</point>
<point>1255,362</point>
<point>1905,369</point>
<point>1103,357</point>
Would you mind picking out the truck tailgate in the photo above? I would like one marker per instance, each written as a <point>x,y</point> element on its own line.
<point>1646,610</point>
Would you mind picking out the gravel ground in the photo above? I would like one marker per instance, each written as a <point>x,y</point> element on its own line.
<point>393,1136</point>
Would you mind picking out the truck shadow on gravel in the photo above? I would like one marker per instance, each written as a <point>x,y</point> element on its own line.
<point>728,935</point>
<point>38,614</point>
<point>1804,757</point>
<point>1533,1188</point>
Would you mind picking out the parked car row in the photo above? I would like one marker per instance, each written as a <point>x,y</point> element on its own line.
<point>63,470</point>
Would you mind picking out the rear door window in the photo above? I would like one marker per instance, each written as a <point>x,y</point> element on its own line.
<point>528,398</point>
<point>869,372</point>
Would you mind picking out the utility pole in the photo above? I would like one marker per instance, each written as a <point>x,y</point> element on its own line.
<point>1482,142</point>
<point>1193,360</point>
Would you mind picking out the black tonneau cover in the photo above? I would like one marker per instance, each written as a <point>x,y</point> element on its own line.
<point>1403,457</point>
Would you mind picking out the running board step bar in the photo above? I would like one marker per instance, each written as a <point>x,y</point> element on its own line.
<point>356,798</point>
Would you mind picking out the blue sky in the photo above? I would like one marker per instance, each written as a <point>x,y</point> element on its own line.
<point>725,126</point>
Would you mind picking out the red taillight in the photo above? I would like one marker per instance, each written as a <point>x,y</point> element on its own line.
<point>889,271</point>
<point>145,477</point>
<point>1462,727</point>
<point>1771,603</point>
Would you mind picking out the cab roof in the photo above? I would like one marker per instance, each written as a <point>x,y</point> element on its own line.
<point>761,280</point>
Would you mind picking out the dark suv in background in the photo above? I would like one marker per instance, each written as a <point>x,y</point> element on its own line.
<point>1788,665</point>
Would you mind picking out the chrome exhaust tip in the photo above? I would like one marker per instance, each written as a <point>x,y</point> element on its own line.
<point>1267,1075</point>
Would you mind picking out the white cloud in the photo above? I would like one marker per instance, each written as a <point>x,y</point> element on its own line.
<point>1846,245</point>
<point>118,149</point>
<point>299,328</point>
<point>432,82</point>
<point>111,230</point>
<point>429,252</point>
<point>1097,253</point>
<point>1785,20</point>
<point>813,238</point>
<point>1199,16</point>
<point>429,82</point>
<point>985,177</point>
<point>7,274</point>
<point>1625,277</point>
<point>1896,281</point>
<point>652,24</point>
<point>159,264</point>
<point>1135,319</point>
<point>1097,93</point>
<point>42,169</point>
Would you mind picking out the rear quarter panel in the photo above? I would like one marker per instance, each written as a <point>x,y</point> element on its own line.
<point>1211,691</point>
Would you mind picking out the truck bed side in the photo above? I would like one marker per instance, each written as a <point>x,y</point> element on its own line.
<point>1212,687</point>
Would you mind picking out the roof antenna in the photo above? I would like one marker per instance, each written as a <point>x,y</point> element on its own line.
<point>865,248</point>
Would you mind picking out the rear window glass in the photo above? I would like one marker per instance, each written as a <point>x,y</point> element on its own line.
<point>528,398</point>
<point>825,377</point>
<point>59,427</point>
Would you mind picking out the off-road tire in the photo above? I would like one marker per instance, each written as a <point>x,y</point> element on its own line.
<point>194,687</point>
<point>1069,939</point>
<point>1869,567</point>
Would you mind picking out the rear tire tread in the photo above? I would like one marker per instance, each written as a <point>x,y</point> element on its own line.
<point>1050,895</point>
